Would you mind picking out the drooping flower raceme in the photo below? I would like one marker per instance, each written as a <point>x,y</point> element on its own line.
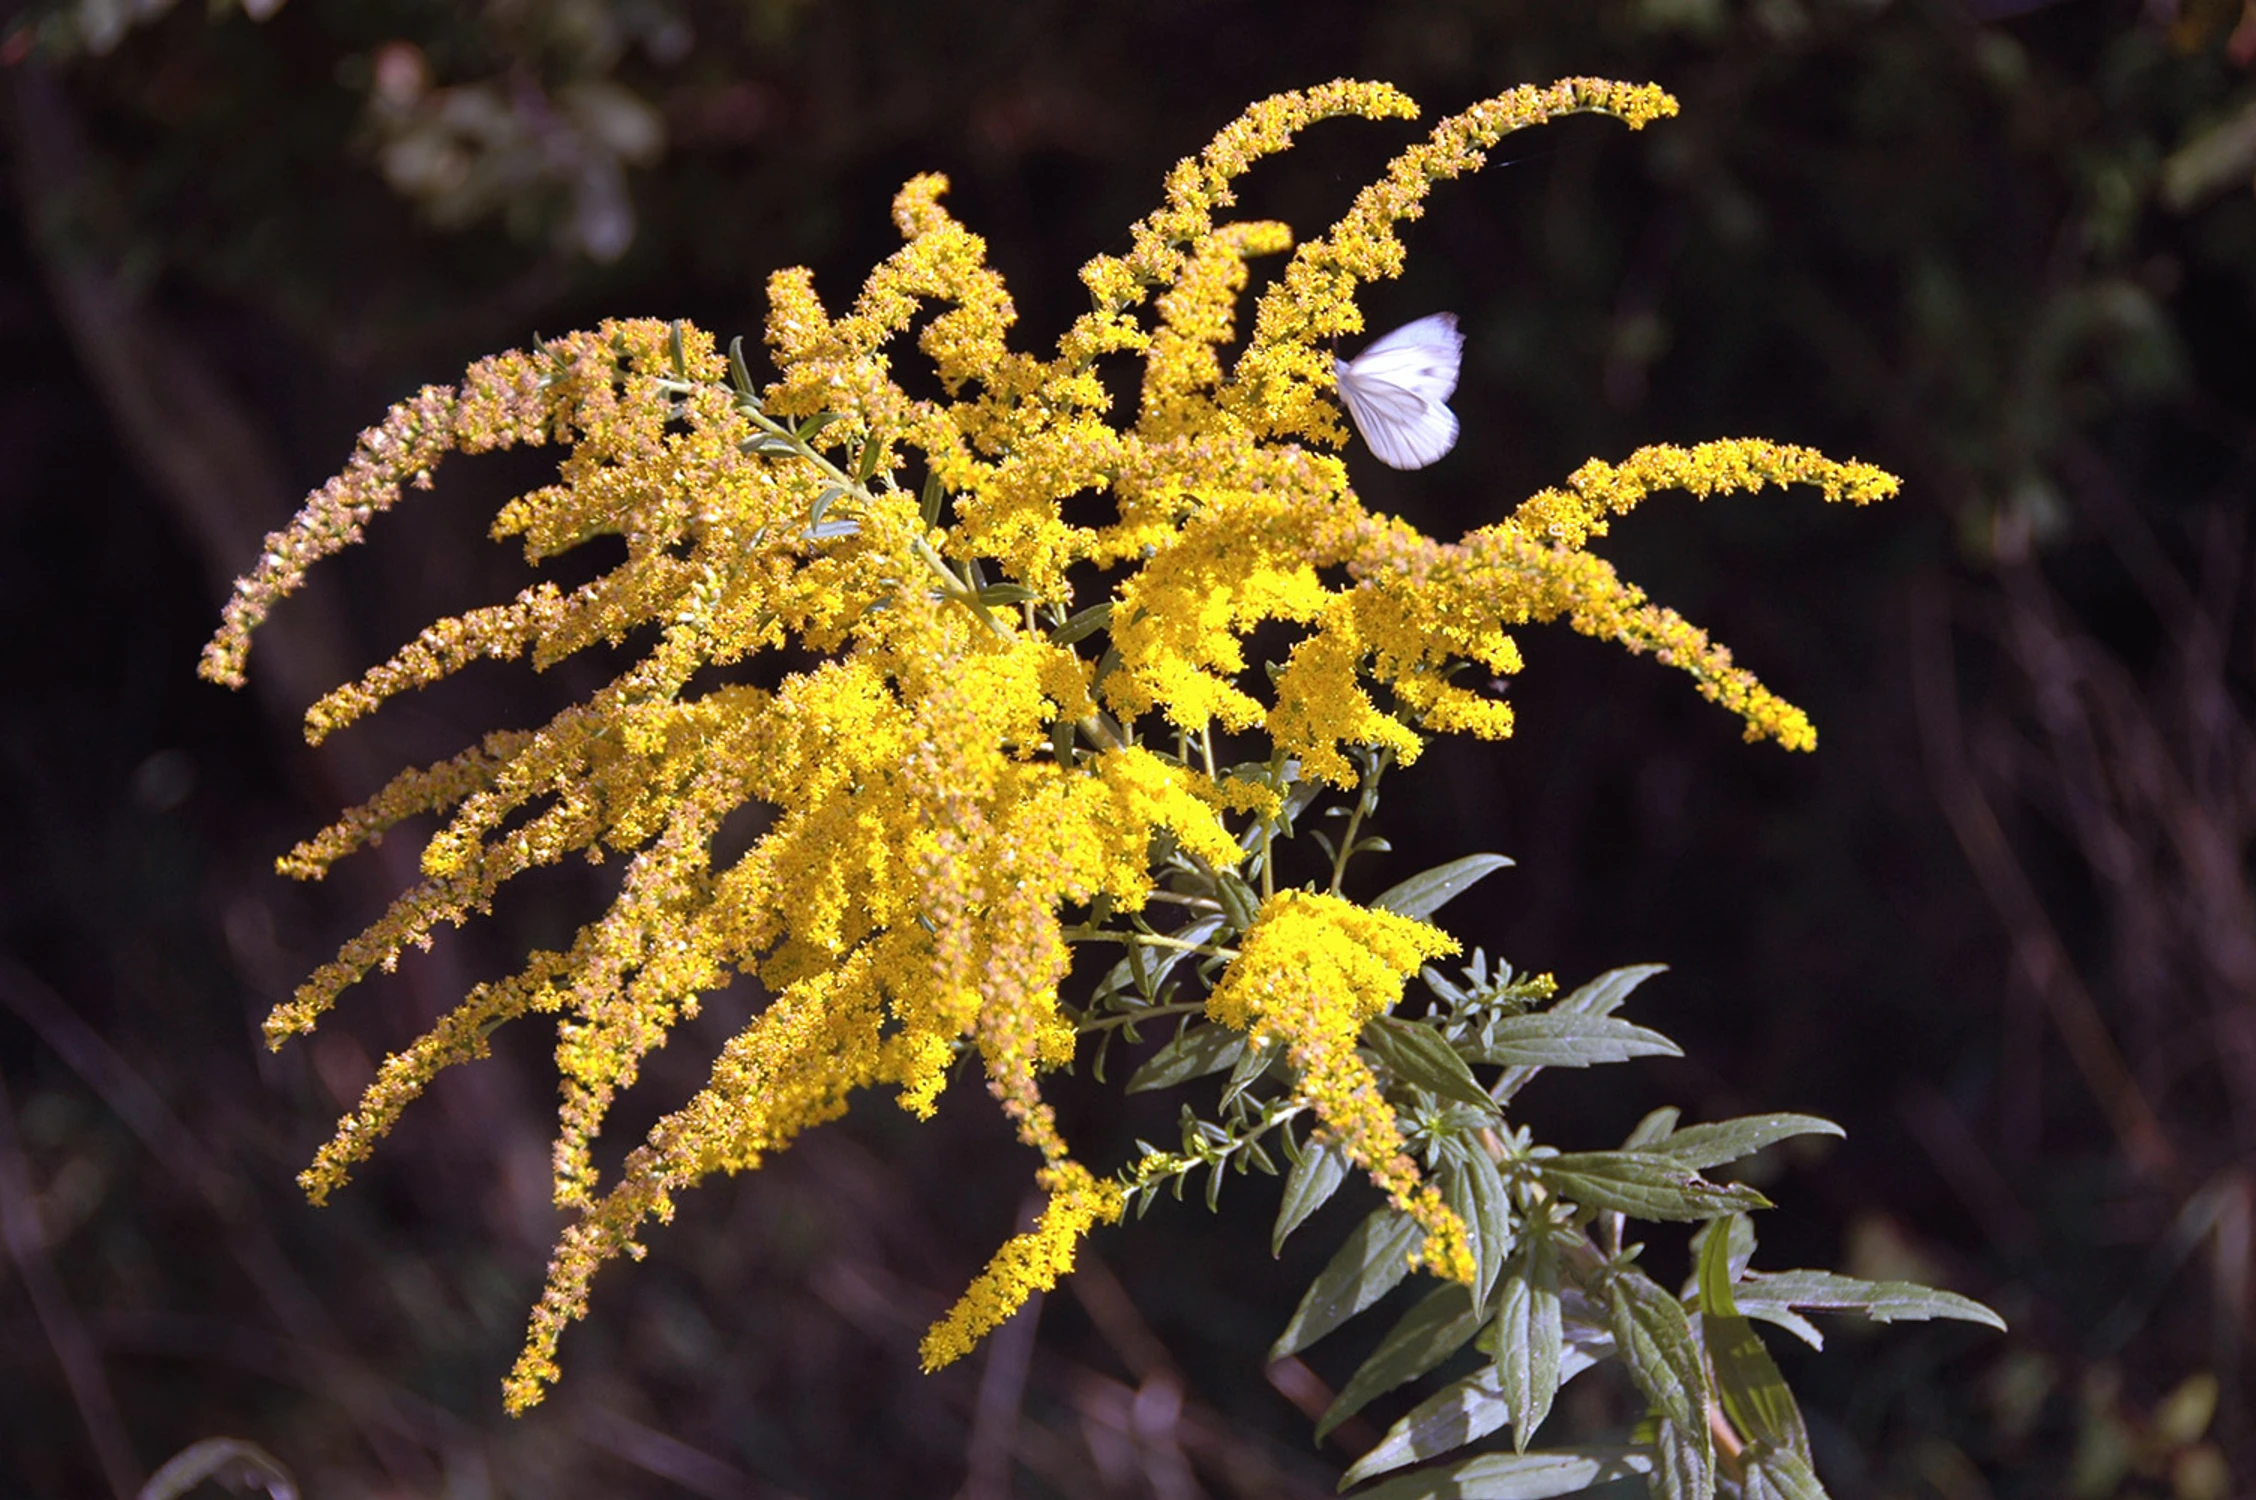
<point>998,737</point>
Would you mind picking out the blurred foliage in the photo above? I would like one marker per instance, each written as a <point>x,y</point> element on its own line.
<point>2000,927</point>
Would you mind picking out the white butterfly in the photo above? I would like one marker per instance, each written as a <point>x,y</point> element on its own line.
<point>1394,391</point>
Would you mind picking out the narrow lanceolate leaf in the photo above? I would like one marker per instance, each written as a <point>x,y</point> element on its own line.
<point>1552,1039</point>
<point>1604,995</point>
<point>1145,968</point>
<point>1517,1476</point>
<point>1529,1339</point>
<point>1423,895</point>
<point>1417,1055</point>
<point>1308,1187</point>
<point>1654,1128</point>
<point>1200,1049</point>
<point>1006,593</point>
<point>1738,1232</point>
<point>1644,1185</point>
<point>1754,1394</point>
<point>1601,997</point>
<point>1251,1064</point>
<point>1458,1414</point>
<point>1656,1343</point>
<point>1370,1264</point>
<point>1780,1476</point>
<point>1474,1188</point>
<point>1083,624</point>
<point>1702,1146</point>
<point>1881,1301</point>
<point>1440,1325</point>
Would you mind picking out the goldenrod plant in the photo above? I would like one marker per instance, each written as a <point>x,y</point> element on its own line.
<point>985,738</point>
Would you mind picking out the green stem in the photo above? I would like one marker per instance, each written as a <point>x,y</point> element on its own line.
<point>1148,1013</point>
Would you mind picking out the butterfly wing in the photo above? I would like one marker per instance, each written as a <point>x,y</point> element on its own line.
<point>1395,390</point>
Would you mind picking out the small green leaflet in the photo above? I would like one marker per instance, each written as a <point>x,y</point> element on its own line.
<point>1145,968</point>
<point>1431,1331</point>
<point>1314,1178</point>
<point>1563,1039</point>
<point>1369,1264</point>
<point>1644,1185</point>
<point>1517,1476</point>
<point>1082,624</point>
<point>1605,994</point>
<point>1423,895</point>
<point>1200,1049</point>
<point>1703,1146</point>
<point>1417,1055</point>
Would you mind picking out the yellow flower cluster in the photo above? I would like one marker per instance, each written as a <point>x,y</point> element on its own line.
<point>1027,1263</point>
<point>1311,971</point>
<point>958,756</point>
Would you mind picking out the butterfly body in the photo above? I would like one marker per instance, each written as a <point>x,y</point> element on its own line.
<point>1396,391</point>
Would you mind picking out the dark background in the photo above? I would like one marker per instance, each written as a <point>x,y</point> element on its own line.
<point>2000,925</point>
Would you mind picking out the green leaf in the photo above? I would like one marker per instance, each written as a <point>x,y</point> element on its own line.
<point>1881,1301</point>
<point>1372,1262</point>
<point>1517,1476</point>
<point>1703,1146</point>
<point>1475,1189</point>
<point>1782,1475</point>
<point>1005,593</point>
<point>1683,1462</point>
<point>1423,895</point>
<point>811,428</point>
<point>1146,967</point>
<point>1656,1343</point>
<point>1251,1064</point>
<point>1554,1039</point>
<point>1462,1412</point>
<point>1738,1232</point>
<point>1083,624</point>
<point>1605,994</point>
<point>1755,1395</point>
<point>1437,1327</point>
<point>866,461</point>
<point>1417,1055</point>
<point>1645,1185</point>
<point>1239,901</point>
<point>1200,1049</point>
<point>1654,1128</point>
<point>1601,997</point>
<point>1314,1178</point>
<point>740,375</point>
<point>1530,1336</point>
<point>1793,1322</point>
